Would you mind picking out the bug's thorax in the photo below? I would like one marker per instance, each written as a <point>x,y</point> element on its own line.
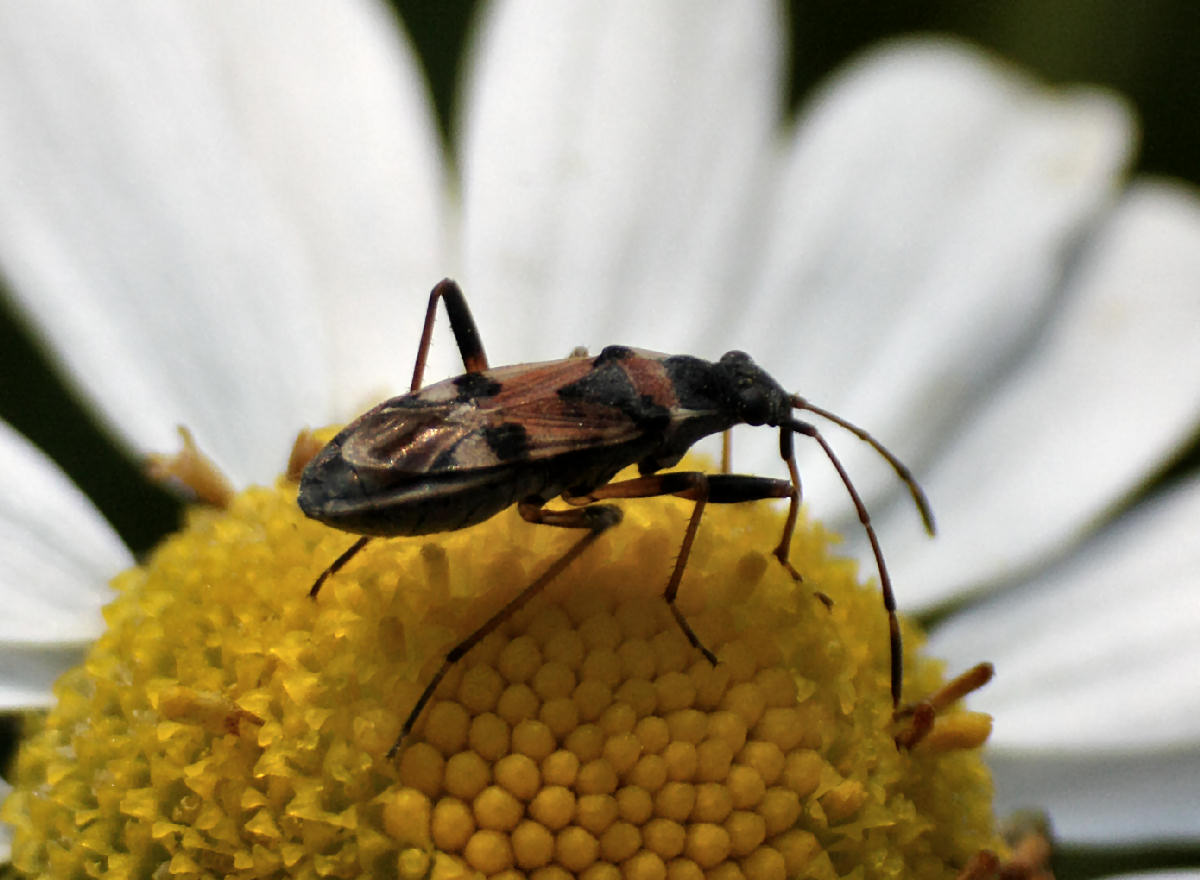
<point>713,396</point>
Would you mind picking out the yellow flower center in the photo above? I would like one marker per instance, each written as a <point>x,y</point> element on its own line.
<point>227,725</point>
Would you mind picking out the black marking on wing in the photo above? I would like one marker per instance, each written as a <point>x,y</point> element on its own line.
<point>472,386</point>
<point>609,385</point>
<point>509,440</point>
<point>612,353</point>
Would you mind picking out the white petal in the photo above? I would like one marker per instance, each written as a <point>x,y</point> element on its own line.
<point>57,555</point>
<point>1100,653</point>
<point>1097,690</point>
<point>611,153</point>
<point>338,114</point>
<point>1104,799</point>
<point>927,205</point>
<point>28,673</point>
<point>177,182</point>
<point>1102,400</point>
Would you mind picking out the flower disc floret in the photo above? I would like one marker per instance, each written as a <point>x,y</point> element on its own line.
<point>228,725</point>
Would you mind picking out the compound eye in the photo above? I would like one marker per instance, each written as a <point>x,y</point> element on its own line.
<point>755,405</point>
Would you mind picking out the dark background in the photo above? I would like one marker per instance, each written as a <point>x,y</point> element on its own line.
<point>1148,50</point>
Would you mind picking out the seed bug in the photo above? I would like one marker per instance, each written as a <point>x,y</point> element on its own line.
<point>453,454</point>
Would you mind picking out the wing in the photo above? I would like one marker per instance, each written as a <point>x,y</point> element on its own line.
<point>489,419</point>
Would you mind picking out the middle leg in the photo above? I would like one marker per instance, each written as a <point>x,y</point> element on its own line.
<point>702,489</point>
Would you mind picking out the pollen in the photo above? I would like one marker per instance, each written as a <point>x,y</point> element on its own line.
<point>227,725</point>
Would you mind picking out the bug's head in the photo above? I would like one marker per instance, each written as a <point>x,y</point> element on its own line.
<point>759,399</point>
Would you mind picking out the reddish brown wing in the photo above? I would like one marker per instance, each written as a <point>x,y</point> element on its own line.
<point>500,416</point>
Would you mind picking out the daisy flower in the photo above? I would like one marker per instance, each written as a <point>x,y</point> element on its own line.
<point>226,219</point>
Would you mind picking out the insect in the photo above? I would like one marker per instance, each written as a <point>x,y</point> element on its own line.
<point>456,453</point>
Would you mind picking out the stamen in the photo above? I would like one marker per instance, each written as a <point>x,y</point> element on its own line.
<point>192,471</point>
<point>964,731</point>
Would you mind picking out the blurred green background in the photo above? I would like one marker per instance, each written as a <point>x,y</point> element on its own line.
<point>1148,51</point>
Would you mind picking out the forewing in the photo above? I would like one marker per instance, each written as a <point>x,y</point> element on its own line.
<point>529,419</point>
<point>502,416</point>
<point>405,436</point>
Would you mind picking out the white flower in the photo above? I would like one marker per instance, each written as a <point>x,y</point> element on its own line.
<point>229,217</point>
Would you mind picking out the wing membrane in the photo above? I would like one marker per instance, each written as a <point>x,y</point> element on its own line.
<point>522,419</point>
